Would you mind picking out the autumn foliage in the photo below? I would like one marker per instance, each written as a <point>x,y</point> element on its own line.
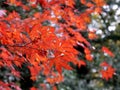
<point>49,48</point>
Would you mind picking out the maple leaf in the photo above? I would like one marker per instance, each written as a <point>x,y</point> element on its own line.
<point>43,3</point>
<point>87,51</point>
<point>107,51</point>
<point>12,2</point>
<point>107,74</point>
<point>104,64</point>
<point>35,32</point>
<point>99,2</point>
<point>81,63</point>
<point>33,88</point>
<point>70,3</point>
<point>37,15</point>
<point>83,1</point>
<point>89,57</point>
<point>25,7</point>
<point>6,55</point>
<point>98,10</point>
<point>54,88</point>
<point>34,71</point>
<point>59,64</point>
<point>92,35</point>
<point>108,71</point>
<point>90,5</point>
<point>13,16</point>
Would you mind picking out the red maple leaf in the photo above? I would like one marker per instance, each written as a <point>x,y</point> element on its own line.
<point>108,71</point>
<point>106,50</point>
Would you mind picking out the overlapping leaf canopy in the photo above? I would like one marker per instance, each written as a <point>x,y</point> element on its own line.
<point>46,41</point>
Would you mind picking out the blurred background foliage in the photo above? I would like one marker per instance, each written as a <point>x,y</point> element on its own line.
<point>107,26</point>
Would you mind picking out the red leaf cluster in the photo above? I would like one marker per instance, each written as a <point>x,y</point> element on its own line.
<point>47,49</point>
